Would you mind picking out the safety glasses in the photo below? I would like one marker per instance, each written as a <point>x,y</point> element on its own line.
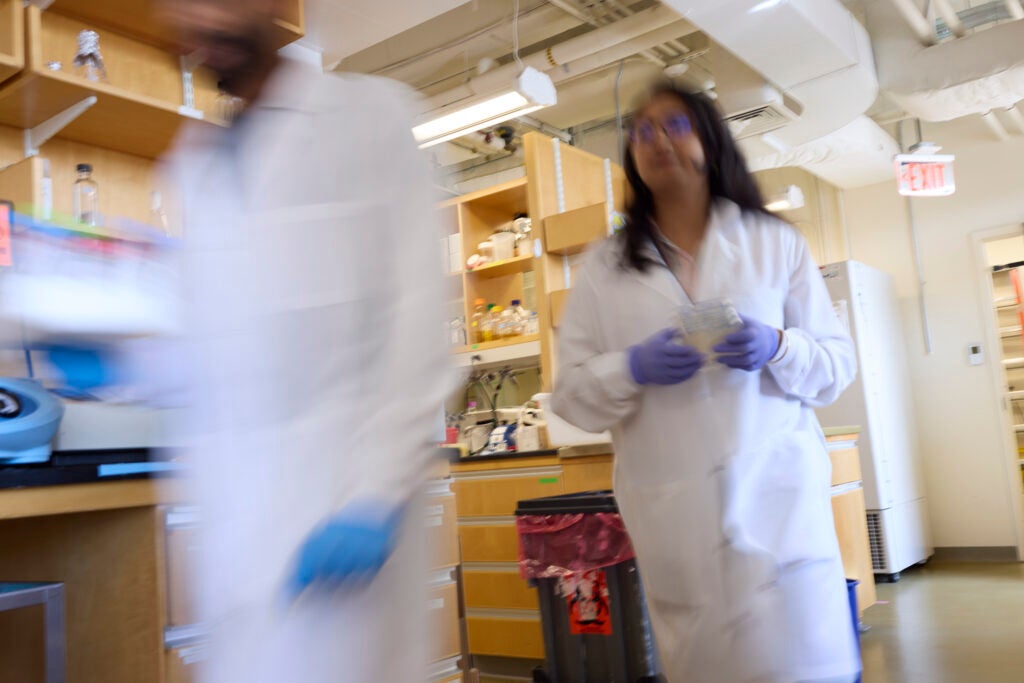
<point>676,128</point>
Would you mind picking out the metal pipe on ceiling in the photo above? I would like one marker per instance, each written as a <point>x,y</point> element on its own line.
<point>951,18</point>
<point>995,125</point>
<point>1017,118</point>
<point>1014,8</point>
<point>655,19</point>
<point>567,7</point>
<point>919,23</point>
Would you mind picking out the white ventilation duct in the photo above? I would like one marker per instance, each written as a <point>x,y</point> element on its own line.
<point>970,75</point>
<point>816,53</point>
<point>860,153</point>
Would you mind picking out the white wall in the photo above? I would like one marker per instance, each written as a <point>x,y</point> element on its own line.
<point>966,469</point>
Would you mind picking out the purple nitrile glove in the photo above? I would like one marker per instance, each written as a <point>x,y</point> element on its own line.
<point>750,348</point>
<point>661,360</point>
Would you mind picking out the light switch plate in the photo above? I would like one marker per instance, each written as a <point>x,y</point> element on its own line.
<point>975,354</point>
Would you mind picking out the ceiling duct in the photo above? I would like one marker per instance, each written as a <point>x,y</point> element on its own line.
<point>975,74</point>
<point>752,106</point>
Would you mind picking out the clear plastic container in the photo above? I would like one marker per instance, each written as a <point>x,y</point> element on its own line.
<point>476,321</point>
<point>508,324</point>
<point>504,245</point>
<point>521,316</point>
<point>706,324</point>
<point>496,322</point>
<point>87,197</point>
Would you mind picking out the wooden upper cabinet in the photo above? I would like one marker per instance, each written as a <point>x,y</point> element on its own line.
<point>138,19</point>
<point>140,106</point>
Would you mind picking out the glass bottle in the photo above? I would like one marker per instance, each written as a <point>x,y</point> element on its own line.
<point>487,325</point>
<point>476,321</point>
<point>87,197</point>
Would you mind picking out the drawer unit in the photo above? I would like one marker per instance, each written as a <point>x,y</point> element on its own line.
<point>845,465</point>
<point>588,474</point>
<point>443,610</point>
<point>181,526</point>
<point>497,494</point>
<point>490,541</point>
<point>505,635</point>
<point>498,587</point>
<point>442,531</point>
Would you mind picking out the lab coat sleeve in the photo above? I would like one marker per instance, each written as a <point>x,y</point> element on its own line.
<point>821,361</point>
<point>408,373</point>
<point>595,390</point>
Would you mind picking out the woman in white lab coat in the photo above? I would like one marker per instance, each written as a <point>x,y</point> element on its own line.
<point>721,473</point>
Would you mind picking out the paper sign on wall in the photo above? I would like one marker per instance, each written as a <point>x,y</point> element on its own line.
<point>925,175</point>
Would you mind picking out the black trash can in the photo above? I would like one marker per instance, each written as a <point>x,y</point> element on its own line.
<point>575,550</point>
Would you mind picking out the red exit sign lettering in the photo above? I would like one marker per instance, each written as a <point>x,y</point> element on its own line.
<point>925,175</point>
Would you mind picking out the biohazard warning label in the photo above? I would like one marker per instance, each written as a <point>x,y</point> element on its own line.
<point>586,595</point>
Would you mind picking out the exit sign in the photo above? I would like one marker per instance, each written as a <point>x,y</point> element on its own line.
<point>925,175</point>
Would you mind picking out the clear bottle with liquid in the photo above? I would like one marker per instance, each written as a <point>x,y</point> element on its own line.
<point>476,321</point>
<point>489,324</point>
<point>521,316</point>
<point>86,197</point>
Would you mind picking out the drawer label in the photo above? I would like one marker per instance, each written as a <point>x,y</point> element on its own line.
<point>549,480</point>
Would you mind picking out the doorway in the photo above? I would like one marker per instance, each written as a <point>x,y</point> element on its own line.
<point>1000,254</point>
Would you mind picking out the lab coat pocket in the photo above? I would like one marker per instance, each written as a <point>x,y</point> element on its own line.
<point>317,255</point>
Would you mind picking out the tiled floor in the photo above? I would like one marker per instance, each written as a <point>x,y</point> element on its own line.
<point>948,623</point>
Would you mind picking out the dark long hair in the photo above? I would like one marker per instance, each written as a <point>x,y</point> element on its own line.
<point>728,176</point>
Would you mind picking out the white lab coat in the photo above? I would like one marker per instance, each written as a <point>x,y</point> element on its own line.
<point>321,366</point>
<point>723,481</point>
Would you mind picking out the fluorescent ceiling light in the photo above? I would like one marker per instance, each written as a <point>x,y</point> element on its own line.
<point>531,91</point>
<point>791,198</point>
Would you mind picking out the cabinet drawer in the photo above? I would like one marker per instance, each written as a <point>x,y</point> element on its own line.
<point>182,543</point>
<point>444,622</point>
<point>845,466</point>
<point>588,476</point>
<point>851,526</point>
<point>442,532</point>
<point>506,637</point>
<point>498,542</point>
<point>499,495</point>
<point>495,589</point>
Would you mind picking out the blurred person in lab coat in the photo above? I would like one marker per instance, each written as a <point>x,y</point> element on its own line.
<point>314,304</point>
<point>722,473</point>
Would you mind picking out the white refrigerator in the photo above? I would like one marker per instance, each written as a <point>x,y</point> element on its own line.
<point>880,402</point>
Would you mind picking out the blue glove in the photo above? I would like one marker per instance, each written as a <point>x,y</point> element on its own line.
<point>348,549</point>
<point>661,360</point>
<point>84,368</point>
<point>750,348</point>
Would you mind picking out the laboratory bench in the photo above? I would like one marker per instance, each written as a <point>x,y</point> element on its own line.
<point>105,541</point>
<point>502,615</point>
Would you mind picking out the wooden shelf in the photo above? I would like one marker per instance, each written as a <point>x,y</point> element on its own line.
<point>1015,395</point>
<point>120,120</point>
<point>140,19</point>
<point>1011,331</point>
<point>12,39</point>
<point>513,266</point>
<point>508,197</point>
<point>488,346</point>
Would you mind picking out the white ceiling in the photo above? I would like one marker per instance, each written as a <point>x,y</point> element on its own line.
<point>434,45</point>
<point>344,27</point>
